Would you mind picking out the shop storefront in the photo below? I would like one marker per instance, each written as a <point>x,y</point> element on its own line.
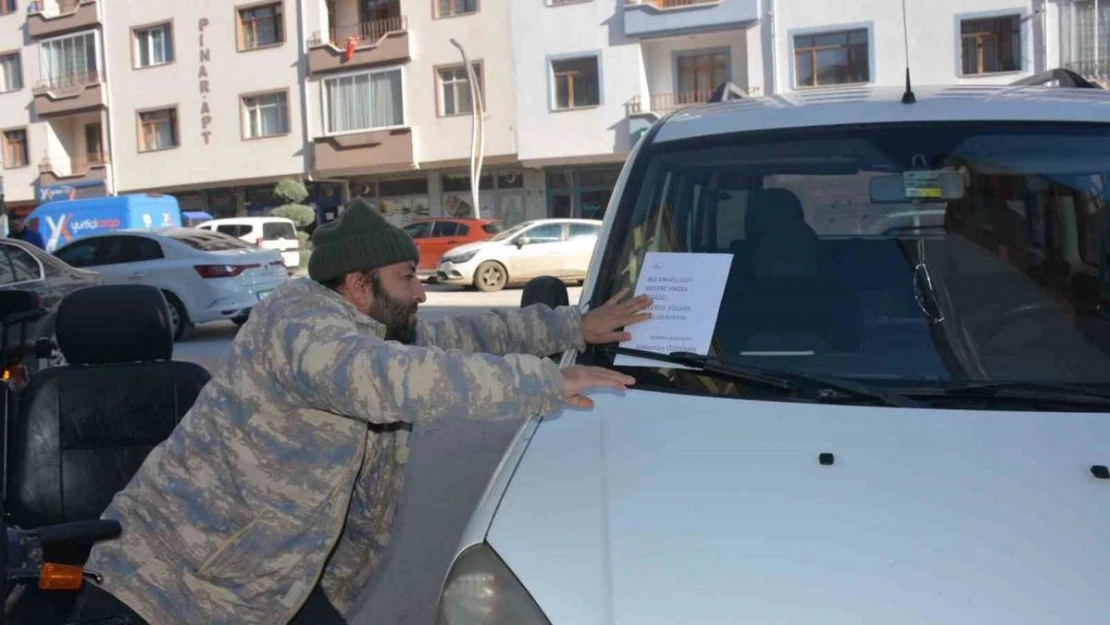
<point>251,201</point>
<point>445,194</point>
<point>500,193</point>
<point>398,200</point>
<point>581,192</point>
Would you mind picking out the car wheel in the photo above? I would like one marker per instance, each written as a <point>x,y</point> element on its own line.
<point>491,276</point>
<point>239,321</point>
<point>179,318</point>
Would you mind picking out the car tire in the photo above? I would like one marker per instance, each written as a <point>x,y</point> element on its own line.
<point>491,276</point>
<point>179,318</point>
<point>240,320</point>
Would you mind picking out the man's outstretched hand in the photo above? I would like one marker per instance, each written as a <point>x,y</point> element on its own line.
<point>602,324</point>
<point>578,378</point>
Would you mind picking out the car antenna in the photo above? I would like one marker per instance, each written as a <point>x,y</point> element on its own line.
<point>907,97</point>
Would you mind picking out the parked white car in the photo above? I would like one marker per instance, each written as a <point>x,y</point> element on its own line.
<point>271,233</point>
<point>543,247</point>
<point>206,276</point>
<point>888,424</point>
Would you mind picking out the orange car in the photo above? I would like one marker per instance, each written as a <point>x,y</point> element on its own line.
<point>436,235</point>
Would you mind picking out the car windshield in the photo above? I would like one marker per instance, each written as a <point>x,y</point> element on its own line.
<point>1001,277</point>
<point>210,241</point>
<point>511,232</point>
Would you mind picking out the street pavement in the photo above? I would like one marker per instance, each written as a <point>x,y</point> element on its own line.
<point>448,470</point>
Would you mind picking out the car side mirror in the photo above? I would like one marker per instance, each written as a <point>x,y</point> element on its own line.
<point>521,242</point>
<point>547,290</point>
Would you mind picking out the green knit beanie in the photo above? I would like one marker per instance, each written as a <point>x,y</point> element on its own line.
<point>359,239</point>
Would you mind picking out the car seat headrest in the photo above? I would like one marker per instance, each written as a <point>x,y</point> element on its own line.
<point>773,209</point>
<point>113,324</point>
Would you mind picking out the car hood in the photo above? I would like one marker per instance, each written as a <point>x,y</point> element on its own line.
<point>655,509</point>
<point>476,246</point>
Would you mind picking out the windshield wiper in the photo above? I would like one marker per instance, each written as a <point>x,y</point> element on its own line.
<point>1018,390</point>
<point>790,381</point>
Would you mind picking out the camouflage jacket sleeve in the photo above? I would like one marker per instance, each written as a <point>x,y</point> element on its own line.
<point>326,363</point>
<point>538,330</point>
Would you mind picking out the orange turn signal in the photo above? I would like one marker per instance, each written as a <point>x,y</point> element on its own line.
<point>60,577</point>
<point>17,374</point>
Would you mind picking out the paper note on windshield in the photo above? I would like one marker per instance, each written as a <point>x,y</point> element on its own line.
<point>686,292</point>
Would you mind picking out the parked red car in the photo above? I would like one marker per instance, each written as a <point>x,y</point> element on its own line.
<point>436,235</point>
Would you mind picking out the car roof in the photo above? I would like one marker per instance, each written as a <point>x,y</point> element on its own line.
<point>834,106</point>
<point>231,220</point>
<point>163,232</point>
<point>462,220</point>
<point>561,220</point>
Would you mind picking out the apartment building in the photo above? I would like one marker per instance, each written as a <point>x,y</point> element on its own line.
<point>215,100</point>
<point>53,104</point>
<point>391,107</point>
<point>206,99</point>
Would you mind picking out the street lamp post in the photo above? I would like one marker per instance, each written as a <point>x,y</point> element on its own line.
<point>477,131</point>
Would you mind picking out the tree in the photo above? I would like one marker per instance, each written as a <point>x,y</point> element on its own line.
<point>293,192</point>
<point>290,191</point>
<point>302,216</point>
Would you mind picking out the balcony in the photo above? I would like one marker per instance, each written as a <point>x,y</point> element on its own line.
<point>643,113</point>
<point>359,45</point>
<point>66,95</point>
<point>55,170</point>
<point>46,18</point>
<point>665,18</point>
<point>364,152</point>
<point>659,104</point>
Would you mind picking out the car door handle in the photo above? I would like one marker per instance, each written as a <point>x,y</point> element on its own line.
<point>138,274</point>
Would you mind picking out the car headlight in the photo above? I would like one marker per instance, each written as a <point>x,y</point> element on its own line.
<point>461,258</point>
<point>481,590</point>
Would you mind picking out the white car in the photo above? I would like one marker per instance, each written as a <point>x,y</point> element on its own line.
<point>888,425</point>
<point>271,233</point>
<point>206,276</point>
<point>543,247</point>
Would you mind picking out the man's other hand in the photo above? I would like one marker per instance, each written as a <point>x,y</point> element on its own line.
<point>603,324</point>
<point>578,378</point>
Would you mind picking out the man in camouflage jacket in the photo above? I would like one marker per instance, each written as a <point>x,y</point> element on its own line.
<point>276,493</point>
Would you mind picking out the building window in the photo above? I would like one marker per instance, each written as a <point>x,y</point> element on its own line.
<point>158,130</point>
<point>991,45</point>
<point>1084,42</point>
<point>265,115</point>
<point>364,101</point>
<point>699,73</point>
<point>454,89</point>
<point>260,26</point>
<point>154,46</point>
<point>11,72</point>
<point>576,83</point>
<point>449,8</point>
<point>70,61</point>
<point>16,153</point>
<point>832,58</point>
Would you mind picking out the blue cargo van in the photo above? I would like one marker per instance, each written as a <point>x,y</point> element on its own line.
<point>64,221</point>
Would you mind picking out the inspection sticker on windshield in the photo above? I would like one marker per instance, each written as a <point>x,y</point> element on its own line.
<point>686,292</point>
<point>922,184</point>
